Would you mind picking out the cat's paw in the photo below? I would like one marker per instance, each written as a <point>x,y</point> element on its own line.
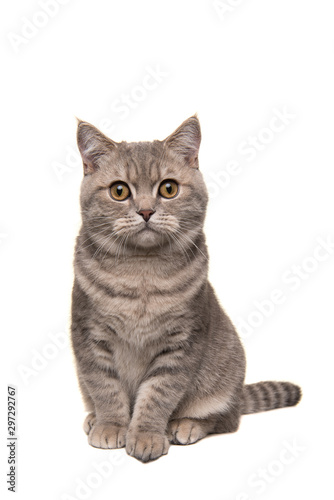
<point>108,436</point>
<point>185,431</point>
<point>146,446</point>
<point>89,422</point>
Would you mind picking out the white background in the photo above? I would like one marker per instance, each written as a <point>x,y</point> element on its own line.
<point>234,69</point>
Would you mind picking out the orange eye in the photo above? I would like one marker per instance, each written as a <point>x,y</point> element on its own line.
<point>120,191</point>
<point>168,189</point>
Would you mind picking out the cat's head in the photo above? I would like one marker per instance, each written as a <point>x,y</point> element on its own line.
<point>142,195</point>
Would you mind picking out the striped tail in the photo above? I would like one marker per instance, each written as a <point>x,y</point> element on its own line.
<point>264,396</point>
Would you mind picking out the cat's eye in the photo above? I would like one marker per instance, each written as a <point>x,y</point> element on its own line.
<point>168,189</point>
<point>120,191</point>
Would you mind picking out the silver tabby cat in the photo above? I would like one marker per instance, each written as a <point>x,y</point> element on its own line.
<point>158,360</point>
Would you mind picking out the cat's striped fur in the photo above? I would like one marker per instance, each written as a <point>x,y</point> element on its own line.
<point>158,360</point>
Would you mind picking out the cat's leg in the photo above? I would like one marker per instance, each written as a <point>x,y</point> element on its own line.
<point>88,403</point>
<point>157,398</point>
<point>104,397</point>
<point>188,430</point>
<point>89,422</point>
<point>107,427</point>
<point>90,407</point>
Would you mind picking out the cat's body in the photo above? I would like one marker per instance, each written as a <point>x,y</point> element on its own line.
<point>158,360</point>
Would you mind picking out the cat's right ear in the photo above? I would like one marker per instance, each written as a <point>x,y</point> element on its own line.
<point>186,140</point>
<point>92,145</point>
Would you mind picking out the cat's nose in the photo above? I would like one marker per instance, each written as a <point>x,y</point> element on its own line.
<point>146,214</point>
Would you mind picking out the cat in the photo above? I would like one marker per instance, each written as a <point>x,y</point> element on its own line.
<point>158,360</point>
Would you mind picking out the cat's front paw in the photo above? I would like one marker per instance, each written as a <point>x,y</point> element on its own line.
<point>146,446</point>
<point>89,422</point>
<point>108,436</point>
<point>185,431</point>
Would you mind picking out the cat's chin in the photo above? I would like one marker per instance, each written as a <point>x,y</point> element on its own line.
<point>148,238</point>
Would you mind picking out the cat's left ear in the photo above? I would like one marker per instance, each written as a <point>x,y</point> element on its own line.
<point>92,145</point>
<point>186,140</point>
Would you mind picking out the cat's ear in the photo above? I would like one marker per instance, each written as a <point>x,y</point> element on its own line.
<point>186,140</point>
<point>92,145</point>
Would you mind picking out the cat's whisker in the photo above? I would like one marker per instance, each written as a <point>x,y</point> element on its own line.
<point>92,237</point>
<point>179,245</point>
<point>192,243</point>
<point>119,250</point>
<point>183,237</point>
<point>109,247</point>
<point>84,247</point>
<point>99,249</point>
<point>108,239</point>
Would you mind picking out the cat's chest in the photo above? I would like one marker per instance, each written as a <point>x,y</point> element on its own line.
<point>131,363</point>
<point>138,295</point>
<point>129,358</point>
<point>141,299</point>
<point>143,308</point>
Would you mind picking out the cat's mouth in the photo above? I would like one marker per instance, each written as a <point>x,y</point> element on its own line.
<point>148,235</point>
<point>147,227</point>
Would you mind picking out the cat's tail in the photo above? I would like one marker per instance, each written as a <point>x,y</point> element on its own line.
<point>264,396</point>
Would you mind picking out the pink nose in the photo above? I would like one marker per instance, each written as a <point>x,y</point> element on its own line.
<point>146,214</point>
